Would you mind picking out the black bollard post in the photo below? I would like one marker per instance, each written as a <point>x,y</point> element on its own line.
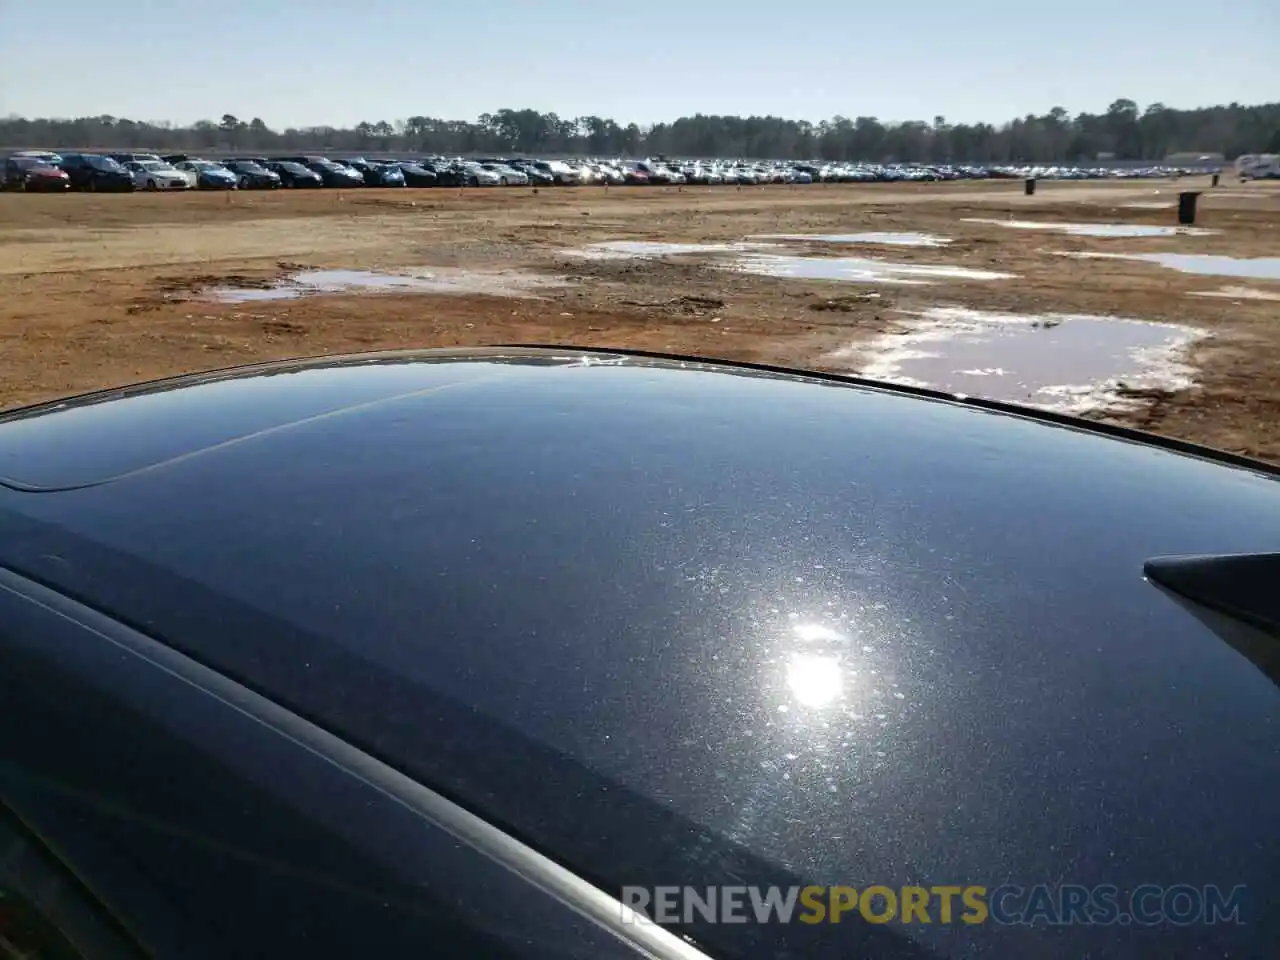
<point>1215,179</point>
<point>1030,186</point>
<point>1187,207</point>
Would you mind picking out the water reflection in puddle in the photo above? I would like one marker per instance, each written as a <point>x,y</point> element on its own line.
<point>310,283</point>
<point>1061,362</point>
<point>857,270</point>
<point>755,258</point>
<point>888,239</point>
<point>1098,229</point>
<point>1257,268</point>
<point>631,249</point>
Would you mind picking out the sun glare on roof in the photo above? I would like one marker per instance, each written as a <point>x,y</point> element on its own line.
<point>815,680</point>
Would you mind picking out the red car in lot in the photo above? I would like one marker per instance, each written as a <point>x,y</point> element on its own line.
<point>33,173</point>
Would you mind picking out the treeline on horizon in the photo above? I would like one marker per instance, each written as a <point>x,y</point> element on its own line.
<point>1124,132</point>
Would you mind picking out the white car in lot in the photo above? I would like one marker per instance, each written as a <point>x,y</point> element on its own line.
<point>157,175</point>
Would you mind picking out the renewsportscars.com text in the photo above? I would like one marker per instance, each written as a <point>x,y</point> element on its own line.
<point>1064,904</point>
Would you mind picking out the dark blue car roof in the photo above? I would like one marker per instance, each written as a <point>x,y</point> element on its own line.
<point>678,623</point>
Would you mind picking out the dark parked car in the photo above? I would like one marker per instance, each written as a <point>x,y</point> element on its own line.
<point>537,177</point>
<point>92,171</point>
<point>417,175</point>
<point>447,174</point>
<point>252,175</point>
<point>467,654</point>
<point>294,174</point>
<point>634,175</point>
<point>32,173</point>
<point>333,174</point>
<point>377,174</point>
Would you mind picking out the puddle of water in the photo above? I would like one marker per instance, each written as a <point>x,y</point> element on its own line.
<point>311,283</point>
<point>889,239</point>
<point>631,249</point>
<point>1068,363</point>
<point>1098,229</point>
<point>857,270</point>
<point>751,259</point>
<point>1203,264</point>
<point>244,295</point>
<point>1238,293</point>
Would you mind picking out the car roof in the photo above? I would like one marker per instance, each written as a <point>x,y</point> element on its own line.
<point>672,621</point>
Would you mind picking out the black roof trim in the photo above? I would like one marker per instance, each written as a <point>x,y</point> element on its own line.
<point>1241,585</point>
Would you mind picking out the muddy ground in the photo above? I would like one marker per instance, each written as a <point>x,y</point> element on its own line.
<point>100,290</point>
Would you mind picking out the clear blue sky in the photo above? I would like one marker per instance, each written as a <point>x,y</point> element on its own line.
<point>298,63</point>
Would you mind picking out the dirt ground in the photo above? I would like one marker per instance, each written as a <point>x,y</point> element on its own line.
<point>101,290</point>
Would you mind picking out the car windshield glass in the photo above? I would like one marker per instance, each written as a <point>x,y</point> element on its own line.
<point>293,167</point>
<point>103,163</point>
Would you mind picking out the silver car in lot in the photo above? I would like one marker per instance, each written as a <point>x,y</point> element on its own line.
<point>157,175</point>
<point>507,176</point>
<point>475,175</point>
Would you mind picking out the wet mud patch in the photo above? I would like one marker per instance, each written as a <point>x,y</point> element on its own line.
<point>425,280</point>
<point>1097,230</point>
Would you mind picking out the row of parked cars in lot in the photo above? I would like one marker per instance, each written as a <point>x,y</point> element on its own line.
<point>44,170</point>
